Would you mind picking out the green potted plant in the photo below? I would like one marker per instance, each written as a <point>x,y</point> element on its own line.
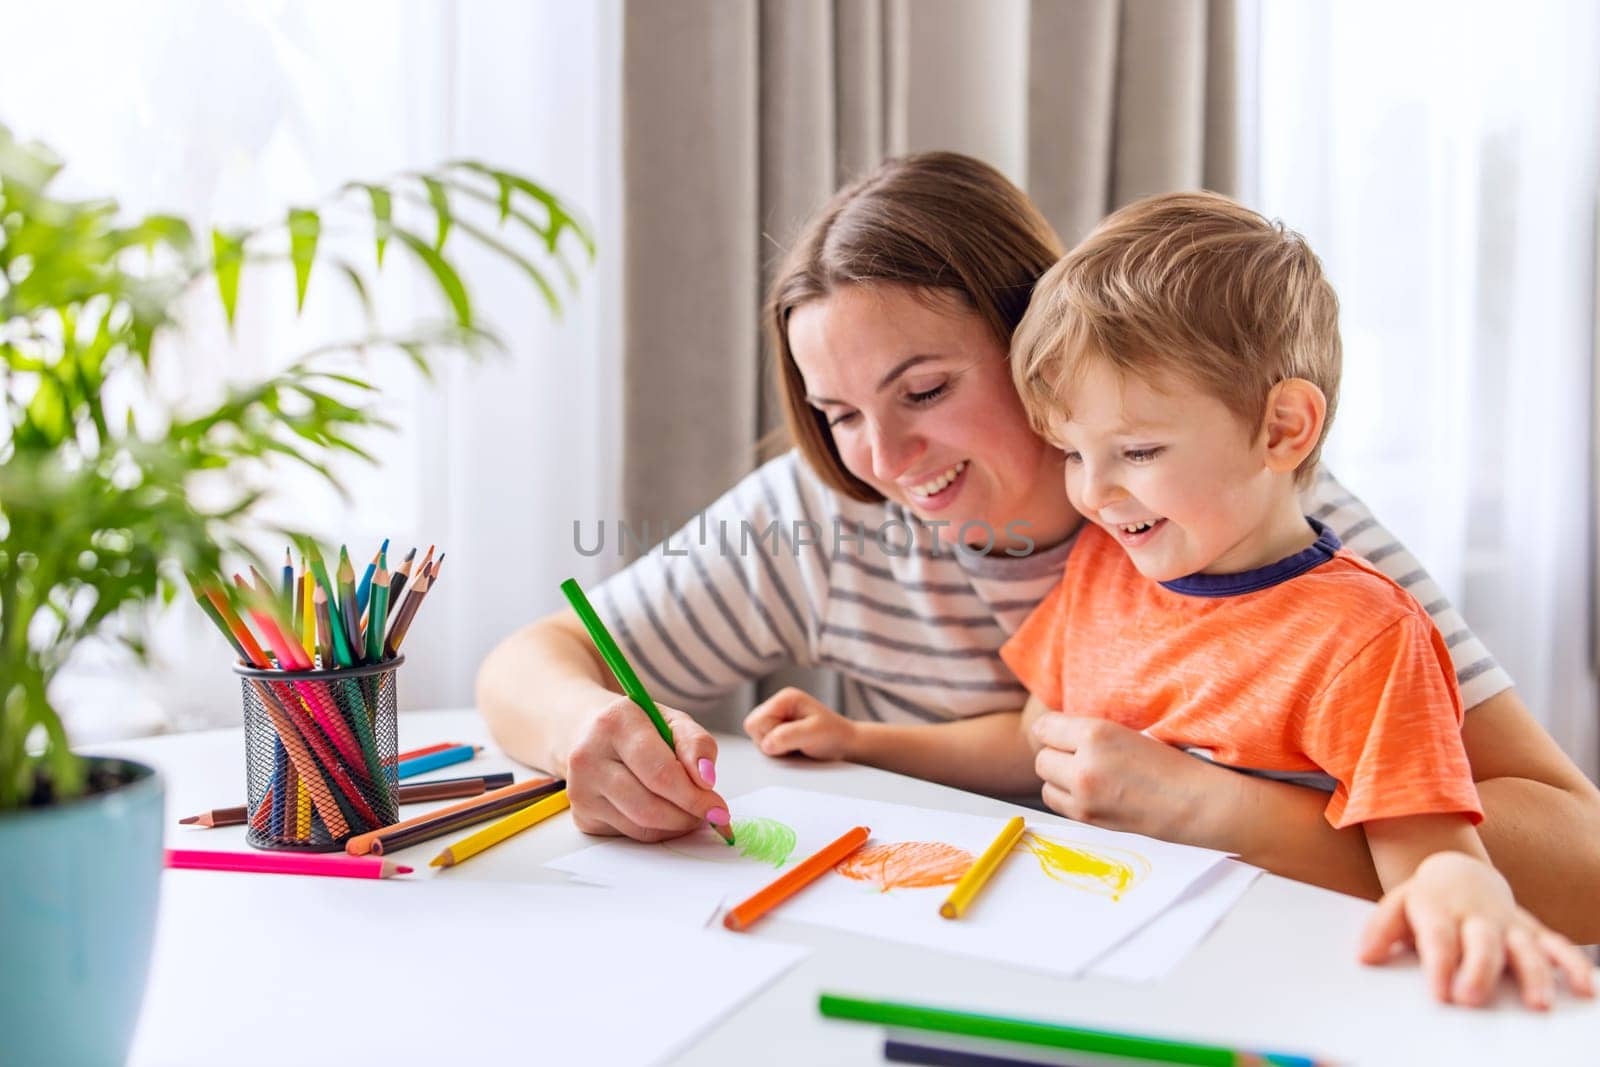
<point>100,521</point>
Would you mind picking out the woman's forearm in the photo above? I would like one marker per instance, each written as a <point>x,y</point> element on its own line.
<point>1546,841</point>
<point>536,691</point>
<point>1281,828</point>
<point>985,753</point>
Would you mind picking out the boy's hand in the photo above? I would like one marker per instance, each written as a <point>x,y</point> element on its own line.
<point>1459,914</point>
<point>792,720</point>
<point>1098,771</point>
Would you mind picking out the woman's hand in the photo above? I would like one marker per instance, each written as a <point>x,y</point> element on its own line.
<point>1459,914</point>
<point>623,779</point>
<point>1101,772</point>
<point>792,720</point>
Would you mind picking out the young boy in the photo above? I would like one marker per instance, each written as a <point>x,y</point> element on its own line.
<point>1186,358</point>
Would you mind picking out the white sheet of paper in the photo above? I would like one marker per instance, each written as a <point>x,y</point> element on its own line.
<point>265,969</point>
<point>1154,951</point>
<point>1026,915</point>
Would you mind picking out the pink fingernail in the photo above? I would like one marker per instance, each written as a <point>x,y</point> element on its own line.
<point>708,772</point>
<point>719,816</point>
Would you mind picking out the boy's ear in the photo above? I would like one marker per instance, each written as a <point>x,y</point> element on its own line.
<point>1296,411</point>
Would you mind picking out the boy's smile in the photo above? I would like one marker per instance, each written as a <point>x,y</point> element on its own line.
<point>1175,476</point>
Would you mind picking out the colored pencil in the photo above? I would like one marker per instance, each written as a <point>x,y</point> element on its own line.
<point>470,814</point>
<point>361,844</point>
<point>1046,1034</point>
<point>795,879</point>
<point>434,760</point>
<point>308,612</point>
<point>364,587</point>
<point>423,751</point>
<point>982,868</point>
<point>293,588</point>
<point>383,554</point>
<point>415,793</point>
<point>398,583</point>
<point>347,606</point>
<point>622,671</point>
<point>497,832</point>
<point>341,647</point>
<point>241,634</point>
<point>287,653</point>
<point>433,575</point>
<point>211,613</point>
<point>319,601</point>
<point>282,863</point>
<point>897,1051</point>
<point>380,610</point>
<point>408,611</point>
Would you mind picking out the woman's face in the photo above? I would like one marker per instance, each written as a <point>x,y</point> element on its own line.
<point>919,397</point>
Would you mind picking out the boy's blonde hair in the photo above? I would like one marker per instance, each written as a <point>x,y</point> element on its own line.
<point>1185,285</point>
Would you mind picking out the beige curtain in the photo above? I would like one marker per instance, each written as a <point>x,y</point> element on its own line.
<point>739,119</point>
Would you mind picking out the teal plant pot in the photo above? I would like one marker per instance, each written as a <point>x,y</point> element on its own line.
<point>79,883</point>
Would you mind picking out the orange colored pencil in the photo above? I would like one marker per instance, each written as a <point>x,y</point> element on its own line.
<point>241,633</point>
<point>796,879</point>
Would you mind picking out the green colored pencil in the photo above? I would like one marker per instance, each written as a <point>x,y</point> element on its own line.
<point>377,610</point>
<point>348,612</point>
<point>620,668</point>
<point>623,672</point>
<point>1048,1035</point>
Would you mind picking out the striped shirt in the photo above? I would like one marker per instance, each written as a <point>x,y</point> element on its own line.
<point>784,570</point>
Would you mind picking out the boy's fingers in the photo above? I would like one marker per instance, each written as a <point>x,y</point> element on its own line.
<point>1483,958</point>
<point>1059,731</point>
<point>1385,928</point>
<point>1570,960</point>
<point>1528,963</point>
<point>785,738</point>
<point>1440,953</point>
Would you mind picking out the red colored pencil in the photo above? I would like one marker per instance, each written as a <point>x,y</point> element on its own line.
<point>336,866</point>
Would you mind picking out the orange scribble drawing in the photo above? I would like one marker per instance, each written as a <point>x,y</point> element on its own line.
<point>906,865</point>
<point>1099,869</point>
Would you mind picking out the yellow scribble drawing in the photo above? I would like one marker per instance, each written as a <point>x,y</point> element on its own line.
<point>1098,869</point>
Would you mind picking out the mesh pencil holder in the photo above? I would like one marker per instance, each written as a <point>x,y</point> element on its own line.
<point>320,750</point>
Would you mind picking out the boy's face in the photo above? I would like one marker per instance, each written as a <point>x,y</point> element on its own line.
<point>1168,471</point>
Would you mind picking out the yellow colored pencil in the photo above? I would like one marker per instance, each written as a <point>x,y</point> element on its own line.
<point>498,831</point>
<point>973,881</point>
<point>308,617</point>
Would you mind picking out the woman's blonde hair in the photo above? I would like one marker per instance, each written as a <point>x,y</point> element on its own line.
<point>939,222</point>
<point>1190,286</point>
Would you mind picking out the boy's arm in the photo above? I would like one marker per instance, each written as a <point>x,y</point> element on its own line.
<point>984,753</point>
<point>1400,845</point>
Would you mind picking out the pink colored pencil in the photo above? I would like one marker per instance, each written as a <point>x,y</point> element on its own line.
<point>337,866</point>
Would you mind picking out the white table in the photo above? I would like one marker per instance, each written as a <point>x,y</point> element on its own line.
<point>1280,972</point>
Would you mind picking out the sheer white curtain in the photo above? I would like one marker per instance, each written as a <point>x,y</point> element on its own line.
<point>230,112</point>
<point>1444,158</point>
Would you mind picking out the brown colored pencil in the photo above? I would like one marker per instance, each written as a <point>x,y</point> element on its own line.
<point>414,793</point>
<point>402,622</point>
<point>361,844</point>
<point>319,604</point>
<point>397,582</point>
<point>441,825</point>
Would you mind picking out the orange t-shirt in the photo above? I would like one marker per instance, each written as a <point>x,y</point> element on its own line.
<point>1334,669</point>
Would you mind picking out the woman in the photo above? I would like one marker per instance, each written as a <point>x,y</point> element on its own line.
<point>914,526</point>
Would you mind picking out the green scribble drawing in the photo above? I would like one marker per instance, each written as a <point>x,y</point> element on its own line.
<point>766,840</point>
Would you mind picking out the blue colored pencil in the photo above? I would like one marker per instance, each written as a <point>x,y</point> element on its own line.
<point>434,760</point>
<point>364,589</point>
